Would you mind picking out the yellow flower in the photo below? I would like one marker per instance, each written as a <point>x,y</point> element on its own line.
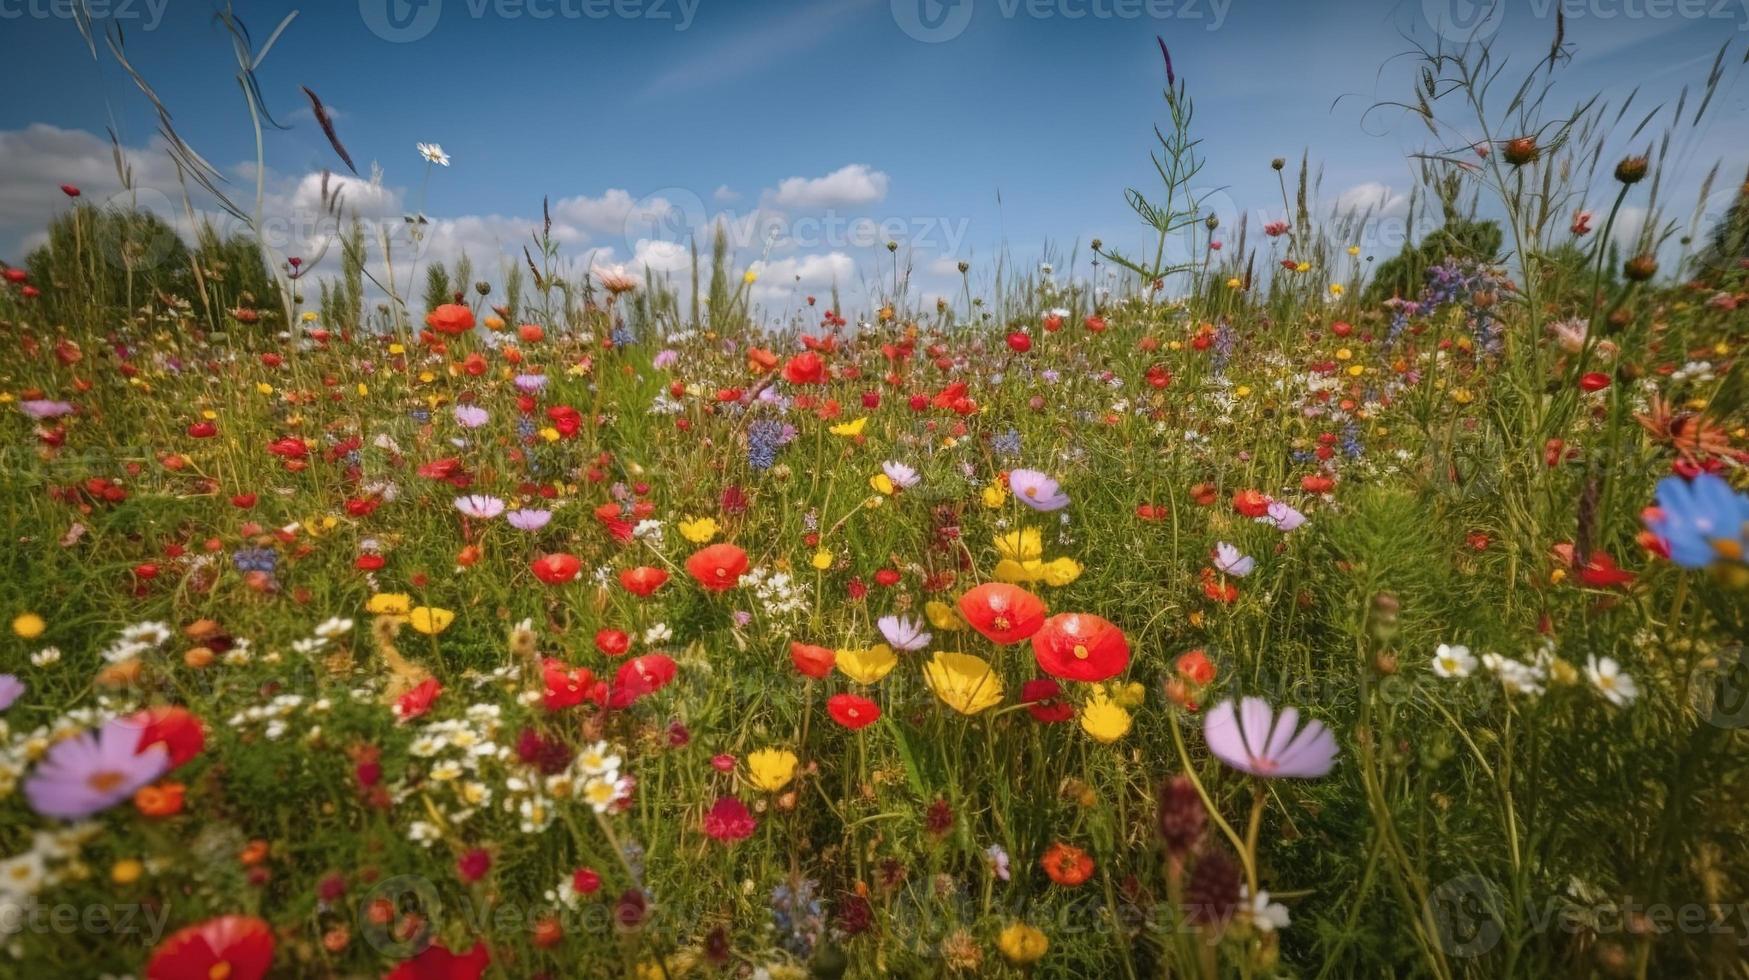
<point>882,483</point>
<point>1354,250</point>
<point>1336,289</point>
<point>749,277</point>
<point>943,616</point>
<point>264,387</point>
<point>1129,695</point>
<point>126,871</point>
<point>699,531</point>
<point>550,434</point>
<point>771,769</point>
<point>309,316</point>
<point>867,666</point>
<point>1105,721</point>
<point>1021,545</point>
<point>963,682</point>
<point>1022,944</point>
<point>822,559</point>
<point>851,428</point>
<point>1233,282</point>
<point>430,620</point>
<point>1018,572</point>
<point>28,625</point>
<point>363,390</point>
<point>397,349</point>
<point>1059,572</point>
<point>1302,267</point>
<point>1462,396</point>
<point>389,604</point>
<point>995,495</point>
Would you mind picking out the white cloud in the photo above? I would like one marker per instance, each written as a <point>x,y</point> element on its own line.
<point>855,184</point>
<point>1373,197</point>
<point>724,194</point>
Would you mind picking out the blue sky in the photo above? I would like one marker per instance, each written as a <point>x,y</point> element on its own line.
<point>1023,99</point>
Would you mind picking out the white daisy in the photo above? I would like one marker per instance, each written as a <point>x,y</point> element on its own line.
<point>1453,661</point>
<point>433,153</point>
<point>1605,675</point>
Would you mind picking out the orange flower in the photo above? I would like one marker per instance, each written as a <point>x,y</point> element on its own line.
<point>718,567</point>
<point>812,661</point>
<point>1067,865</point>
<point>1004,613</point>
<point>450,318</point>
<point>162,800</point>
<point>253,853</point>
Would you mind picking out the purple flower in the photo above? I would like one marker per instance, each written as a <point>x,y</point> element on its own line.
<point>10,688</point>
<point>1247,741</point>
<point>479,506</point>
<point>1283,516</point>
<point>94,771</point>
<point>664,359</point>
<point>1228,559</point>
<point>528,519</point>
<point>470,416</point>
<point>1036,490</point>
<point>904,477</point>
<point>903,633</point>
<point>42,408</point>
<point>530,383</point>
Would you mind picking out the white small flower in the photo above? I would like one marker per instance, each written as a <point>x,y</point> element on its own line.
<point>1266,915</point>
<point>46,657</point>
<point>433,153</point>
<point>598,760</point>
<point>1453,661</point>
<point>602,793</point>
<point>334,628</point>
<point>1605,675</point>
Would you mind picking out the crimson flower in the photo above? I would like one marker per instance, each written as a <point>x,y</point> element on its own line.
<point>805,368</point>
<point>852,711</point>
<point>417,701</point>
<point>232,947</point>
<point>436,962</point>
<point>640,676</point>
<point>728,820</point>
<point>566,686</point>
<point>613,643</point>
<point>176,728</point>
<point>812,661</point>
<point>1044,701</point>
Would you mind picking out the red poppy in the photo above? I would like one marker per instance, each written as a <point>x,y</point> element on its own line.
<point>288,447</point>
<point>417,701</point>
<point>233,947</point>
<point>852,711</point>
<point>557,568</point>
<point>177,728</point>
<point>812,661</point>
<point>613,643</point>
<point>1152,512</point>
<point>1019,342</point>
<point>566,686</point>
<point>640,676</point>
<point>565,419</point>
<point>1004,613</point>
<point>473,864</point>
<point>203,430</point>
<point>1217,587</point>
<point>450,318</point>
<point>643,580</point>
<point>1599,570</point>
<point>805,368</point>
<point>718,567</point>
<point>887,577</point>
<point>438,963</point>
<point>729,821</point>
<point>1251,503</point>
<point>369,563</point>
<point>1066,864</point>
<point>1594,381</point>
<point>1044,701</point>
<point>1195,667</point>
<point>1080,647</point>
<point>1316,483</point>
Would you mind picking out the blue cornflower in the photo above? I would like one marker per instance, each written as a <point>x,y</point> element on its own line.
<point>1702,521</point>
<point>764,438</point>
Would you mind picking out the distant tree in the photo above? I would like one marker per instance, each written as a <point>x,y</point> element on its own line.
<point>233,274</point>
<point>1728,247</point>
<point>108,261</point>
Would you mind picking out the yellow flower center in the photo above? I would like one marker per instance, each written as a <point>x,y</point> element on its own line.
<point>219,971</point>
<point>1729,549</point>
<point>1080,651</point>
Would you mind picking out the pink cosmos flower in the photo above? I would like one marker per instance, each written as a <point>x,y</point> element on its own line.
<point>1036,490</point>
<point>1230,560</point>
<point>479,506</point>
<point>94,771</point>
<point>43,408</point>
<point>903,633</point>
<point>528,519</point>
<point>1254,740</point>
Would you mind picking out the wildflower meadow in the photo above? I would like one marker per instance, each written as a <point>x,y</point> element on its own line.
<point>1234,605</point>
